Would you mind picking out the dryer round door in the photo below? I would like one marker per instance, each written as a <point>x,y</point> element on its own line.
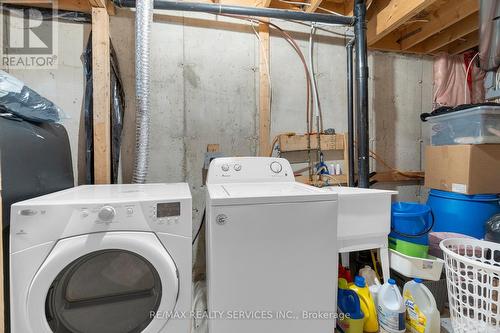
<point>114,282</point>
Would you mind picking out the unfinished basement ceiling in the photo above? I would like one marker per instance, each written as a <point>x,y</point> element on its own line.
<point>409,26</point>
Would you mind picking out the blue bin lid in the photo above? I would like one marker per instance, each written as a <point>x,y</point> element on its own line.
<point>409,209</point>
<point>460,196</point>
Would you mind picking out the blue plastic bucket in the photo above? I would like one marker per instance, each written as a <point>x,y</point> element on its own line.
<point>461,213</point>
<point>411,222</point>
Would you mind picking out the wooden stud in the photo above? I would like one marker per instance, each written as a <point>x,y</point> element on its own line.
<point>101,97</point>
<point>451,34</point>
<point>110,7</point>
<point>390,14</point>
<point>265,148</point>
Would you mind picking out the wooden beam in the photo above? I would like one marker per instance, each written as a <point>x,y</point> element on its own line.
<point>262,3</point>
<point>296,142</point>
<point>265,148</point>
<point>390,14</point>
<point>451,34</point>
<point>465,44</point>
<point>103,4</point>
<point>446,16</point>
<point>101,97</point>
<point>395,176</point>
<point>314,4</point>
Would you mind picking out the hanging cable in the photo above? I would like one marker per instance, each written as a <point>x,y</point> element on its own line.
<point>466,76</point>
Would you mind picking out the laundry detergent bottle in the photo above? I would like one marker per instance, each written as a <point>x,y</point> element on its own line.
<point>367,304</point>
<point>422,315</point>
<point>391,308</point>
<point>351,318</point>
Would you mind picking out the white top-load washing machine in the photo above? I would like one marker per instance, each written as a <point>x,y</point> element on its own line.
<point>271,249</point>
<point>102,259</point>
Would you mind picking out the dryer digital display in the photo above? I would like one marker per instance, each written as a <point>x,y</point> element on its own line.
<point>167,209</point>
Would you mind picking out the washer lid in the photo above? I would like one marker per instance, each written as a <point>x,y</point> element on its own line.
<point>255,193</point>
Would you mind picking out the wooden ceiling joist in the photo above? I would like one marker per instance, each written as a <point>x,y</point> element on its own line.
<point>450,34</point>
<point>446,16</point>
<point>313,6</point>
<point>388,15</point>
<point>464,44</point>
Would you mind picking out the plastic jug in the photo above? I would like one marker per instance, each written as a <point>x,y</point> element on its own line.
<point>369,274</point>
<point>351,318</point>
<point>422,315</point>
<point>391,308</point>
<point>371,280</point>
<point>367,304</point>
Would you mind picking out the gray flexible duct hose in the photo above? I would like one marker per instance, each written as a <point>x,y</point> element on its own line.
<point>143,22</point>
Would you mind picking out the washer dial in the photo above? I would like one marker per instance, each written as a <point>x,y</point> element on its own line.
<point>276,167</point>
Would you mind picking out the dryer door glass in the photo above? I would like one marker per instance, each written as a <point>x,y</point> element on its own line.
<point>106,291</point>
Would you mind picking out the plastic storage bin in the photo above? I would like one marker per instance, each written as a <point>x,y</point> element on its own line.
<point>427,269</point>
<point>476,125</point>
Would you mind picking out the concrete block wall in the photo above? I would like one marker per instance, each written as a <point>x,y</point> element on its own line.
<point>205,90</point>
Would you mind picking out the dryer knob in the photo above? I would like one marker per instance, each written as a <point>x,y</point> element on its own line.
<point>106,213</point>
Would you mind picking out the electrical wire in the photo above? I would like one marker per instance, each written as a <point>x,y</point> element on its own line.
<point>466,76</point>
<point>317,103</point>
<point>200,227</point>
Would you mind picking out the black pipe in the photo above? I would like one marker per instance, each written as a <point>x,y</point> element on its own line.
<point>350,111</point>
<point>362,94</point>
<point>245,11</point>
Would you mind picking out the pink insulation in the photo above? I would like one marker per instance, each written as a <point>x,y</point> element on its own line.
<point>450,87</point>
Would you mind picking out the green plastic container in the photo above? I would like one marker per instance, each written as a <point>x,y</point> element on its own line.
<point>410,249</point>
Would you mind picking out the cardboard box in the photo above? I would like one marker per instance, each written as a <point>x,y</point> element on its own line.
<point>467,169</point>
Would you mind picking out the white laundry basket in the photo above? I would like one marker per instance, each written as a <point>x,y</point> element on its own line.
<point>473,279</point>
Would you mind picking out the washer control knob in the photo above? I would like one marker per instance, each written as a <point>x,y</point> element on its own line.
<point>237,167</point>
<point>276,167</point>
<point>106,213</point>
<point>225,167</point>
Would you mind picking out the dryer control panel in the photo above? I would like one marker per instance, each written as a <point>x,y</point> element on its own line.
<point>249,169</point>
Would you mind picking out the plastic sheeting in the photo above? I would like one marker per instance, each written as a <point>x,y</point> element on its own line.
<point>199,321</point>
<point>60,15</point>
<point>451,87</point>
<point>21,101</point>
<point>117,110</point>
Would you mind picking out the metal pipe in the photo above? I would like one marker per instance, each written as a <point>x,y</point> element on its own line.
<point>245,11</point>
<point>350,111</point>
<point>362,94</point>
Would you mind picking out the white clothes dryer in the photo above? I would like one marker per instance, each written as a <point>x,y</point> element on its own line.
<point>102,259</point>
